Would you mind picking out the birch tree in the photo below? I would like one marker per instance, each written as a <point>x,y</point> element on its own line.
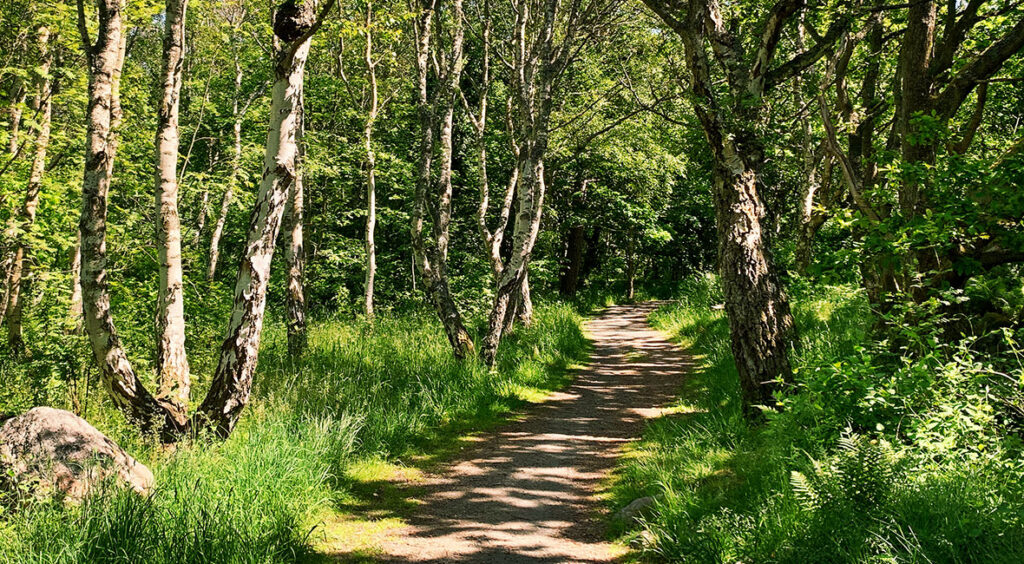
<point>760,322</point>
<point>294,26</point>
<point>171,359</point>
<point>436,109</point>
<point>105,58</point>
<point>20,259</point>
<point>546,38</point>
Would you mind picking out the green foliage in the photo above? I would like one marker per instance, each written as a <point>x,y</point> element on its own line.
<point>363,391</point>
<point>873,456</point>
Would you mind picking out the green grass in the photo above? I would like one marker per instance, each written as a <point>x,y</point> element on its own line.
<point>843,473</point>
<point>318,439</point>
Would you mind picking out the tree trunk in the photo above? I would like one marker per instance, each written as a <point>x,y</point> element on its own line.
<point>171,359</point>
<point>232,381</point>
<point>21,262</point>
<point>760,323</point>
<point>17,103</point>
<point>513,275</point>
<point>570,279</point>
<point>432,260</point>
<point>631,264</point>
<point>294,252</point>
<point>105,60</point>
<point>75,308</point>
<point>811,217</point>
<point>236,167</point>
<point>538,64</point>
<point>371,162</point>
<point>524,302</point>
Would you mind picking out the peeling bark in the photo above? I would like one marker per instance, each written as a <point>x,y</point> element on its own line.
<point>171,359</point>
<point>294,253</point>
<point>371,164</point>
<point>232,381</point>
<point>436,119</point>
<point>105,61</point>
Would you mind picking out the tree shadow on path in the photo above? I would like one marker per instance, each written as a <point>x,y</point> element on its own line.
<point>527,491</point>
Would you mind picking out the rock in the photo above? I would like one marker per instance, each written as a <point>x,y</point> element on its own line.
<point>293,19</point>
<point>634,510</point>
<point>59,452</point>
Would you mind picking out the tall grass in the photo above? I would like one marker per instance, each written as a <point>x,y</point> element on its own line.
<point>382,390</point>
<point>840,474</point>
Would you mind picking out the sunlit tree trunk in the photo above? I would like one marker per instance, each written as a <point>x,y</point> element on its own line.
<point>436,116</point>
<point>171,359</point>
<point>20,261</point>
<point>540,59</point>
<point>17,96</point>
<point>294,253</point>
<point>75,307</point>
<point>371,162</point>
<point>105,60</point>
<point>232,381</point>
<point>760,322</point>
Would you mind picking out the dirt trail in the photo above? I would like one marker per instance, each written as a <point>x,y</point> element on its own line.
<point>526,492</point>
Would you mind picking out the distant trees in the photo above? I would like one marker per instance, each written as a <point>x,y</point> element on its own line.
<point>499,150</point>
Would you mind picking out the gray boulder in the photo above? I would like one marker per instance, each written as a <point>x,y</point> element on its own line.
<point>57,452</point>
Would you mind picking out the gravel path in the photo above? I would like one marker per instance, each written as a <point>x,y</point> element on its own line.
<point>526,492</point>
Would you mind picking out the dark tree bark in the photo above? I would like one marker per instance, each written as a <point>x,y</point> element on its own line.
<point>760,323</point>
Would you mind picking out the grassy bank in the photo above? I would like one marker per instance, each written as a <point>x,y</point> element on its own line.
<point>363,393</point>
<point>876,455</point>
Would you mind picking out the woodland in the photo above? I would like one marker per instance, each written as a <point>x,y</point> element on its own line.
<point>281,252</point>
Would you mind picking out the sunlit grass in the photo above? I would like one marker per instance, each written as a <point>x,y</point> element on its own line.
<point>723,489</point>
<point>318,460</point>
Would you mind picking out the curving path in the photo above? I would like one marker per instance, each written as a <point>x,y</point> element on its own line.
<point>526,492</point>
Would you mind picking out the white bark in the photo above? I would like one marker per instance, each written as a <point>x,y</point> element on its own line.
<point>294,253</point>
<point>171,359</point>
<point>105,61</point>
<point>232,381</point>
<point>371,163</point>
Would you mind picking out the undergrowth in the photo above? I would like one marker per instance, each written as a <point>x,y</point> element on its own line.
<point>388,390</point>
<point>878,453</point>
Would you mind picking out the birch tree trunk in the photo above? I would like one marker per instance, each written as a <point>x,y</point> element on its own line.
<point>371,161</point>
<point>105,60</point>
<point>294,253</point>
<point>75,308</point>
<point>171,359</point>
<point>432,258</point>
<point>20,261</point>
<point>17,94</point>
<point>294,25</point>
<point>538,64</point>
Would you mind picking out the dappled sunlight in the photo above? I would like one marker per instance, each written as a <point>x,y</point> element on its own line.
<point>528,492</point>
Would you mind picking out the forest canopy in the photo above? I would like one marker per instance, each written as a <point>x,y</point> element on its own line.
<point>205,204</point>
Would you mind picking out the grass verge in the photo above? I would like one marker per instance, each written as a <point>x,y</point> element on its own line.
<point>314,451</point>
<point>873,457</point>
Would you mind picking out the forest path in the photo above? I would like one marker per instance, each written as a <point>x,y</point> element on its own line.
<point>527,491</point>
